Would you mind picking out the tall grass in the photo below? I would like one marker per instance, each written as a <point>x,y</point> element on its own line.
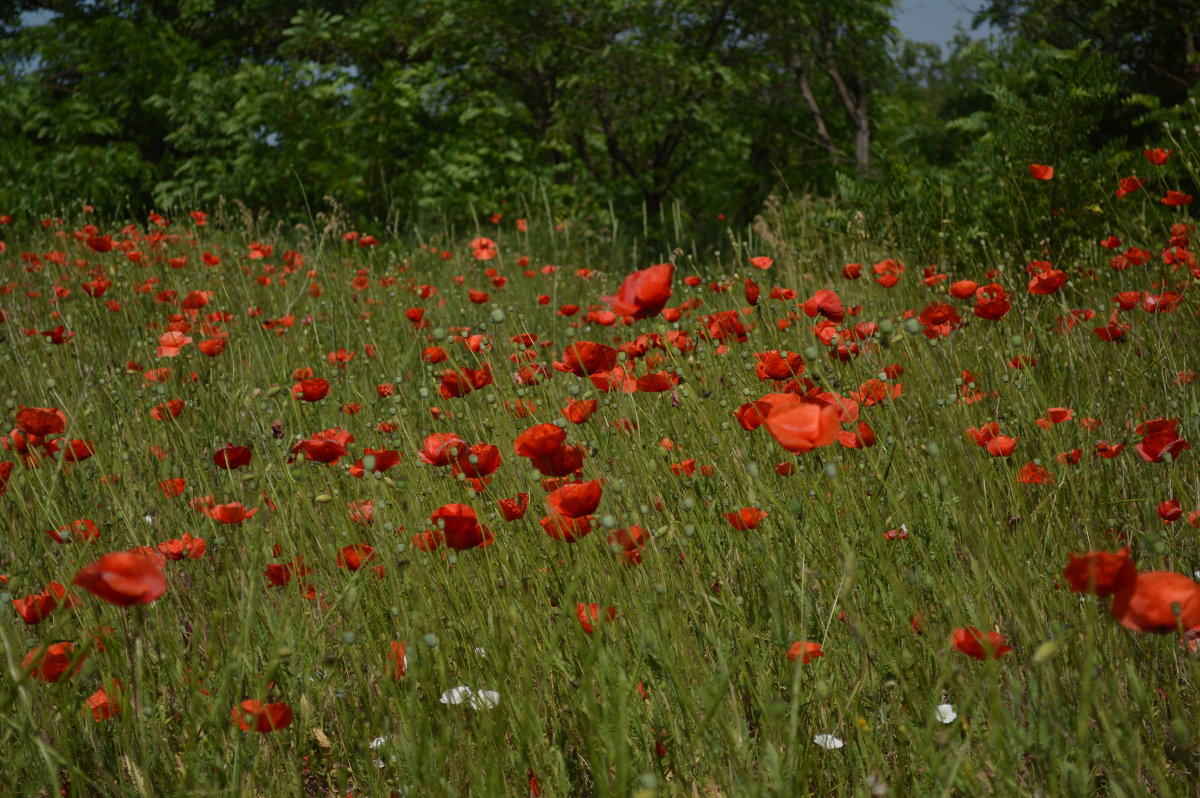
<point>689,690</point>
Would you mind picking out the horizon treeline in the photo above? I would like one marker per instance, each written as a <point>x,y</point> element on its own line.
<point>612,110</point>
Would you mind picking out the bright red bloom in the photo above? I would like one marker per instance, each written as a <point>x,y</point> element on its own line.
<point>567,529</point>
<point>1001,445</point>
<point>1169,511</point>
<point>1160,602</point>
<point>1100,572</point>
<point>991,302</point>
<point>541,440</point>
<point>575,499</point>
<point>123,578</point>
<point>805,652</point>
<point>973,643</point>
<point>103,705</point>
<point>826,303</point>
<point>459,527</point>
<point>183,547</point>
<point>231,513</point>
<point>585,357</point>
<point>578,411</point>
<point>354,556</point>
<point>745,518</point>
<point>441,448</point>
<point>1157,156</point>
<point>963,289</point>
<point>230,457</point>
<point>51,663</point>
<point>311,390</point>
<point>628,543</point>
<point>587,613</point>
<point>263,718</point>
<point>804,424</point>
<point>1160,438</point>
<point>514,508</point>
<point>1041,171</point>
<point>643,293</point>
<point>41,421</point>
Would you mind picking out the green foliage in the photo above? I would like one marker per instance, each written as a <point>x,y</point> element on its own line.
<point>400,108</point>
<point>956,185</point>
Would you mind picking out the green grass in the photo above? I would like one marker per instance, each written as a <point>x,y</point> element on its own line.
<point>1081,706</point>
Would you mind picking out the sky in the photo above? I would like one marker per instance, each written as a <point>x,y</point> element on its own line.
<point>934,20</point>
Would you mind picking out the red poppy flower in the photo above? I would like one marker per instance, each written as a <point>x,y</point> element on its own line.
<point>440,448</point>
<point>589,613</point>
<point>827,304</point>
<point>585,357</point>
<point>379,460</point>
<point>805,652</point>
<point>52,663</point>
<point>1002,446</point>
<point>1033,474</point>
<point>483,249</point>
<point>804,424</point>
<point>355,556</point>
<point>1041,171</point>
<point>1157,156</point>
<point>311,390</point>
<point>1100,572</point>
<point>230,457</point>
<point>627,543</point>
<point>762,262</point>
<point>231,513</point>
<point>1159,602</point>
<point>541,440</point>
<point>963,289</point>
<point>480,460</point>
<point>1160,438</point>
<point>183,547</point>
<point>1173,198</point>
<point>263,718</point>
<point>1047,282</point>
<point>578,411</point>
<point>1169,511</point>
<point>575,499</point>
<point>84,530</point>
<point>41,421</point>
<point>567,529</point>
<point>991,302</point>
<point>123,578</point>
<point>852,271</point>
<point>643,293</point>
<point>745,518</point>
<point>752,292</point>
<point>514,508</point>
<point>973,643</point>
<point>459,527</point>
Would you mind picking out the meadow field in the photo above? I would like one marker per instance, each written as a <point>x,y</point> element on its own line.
<point>537,509</point>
